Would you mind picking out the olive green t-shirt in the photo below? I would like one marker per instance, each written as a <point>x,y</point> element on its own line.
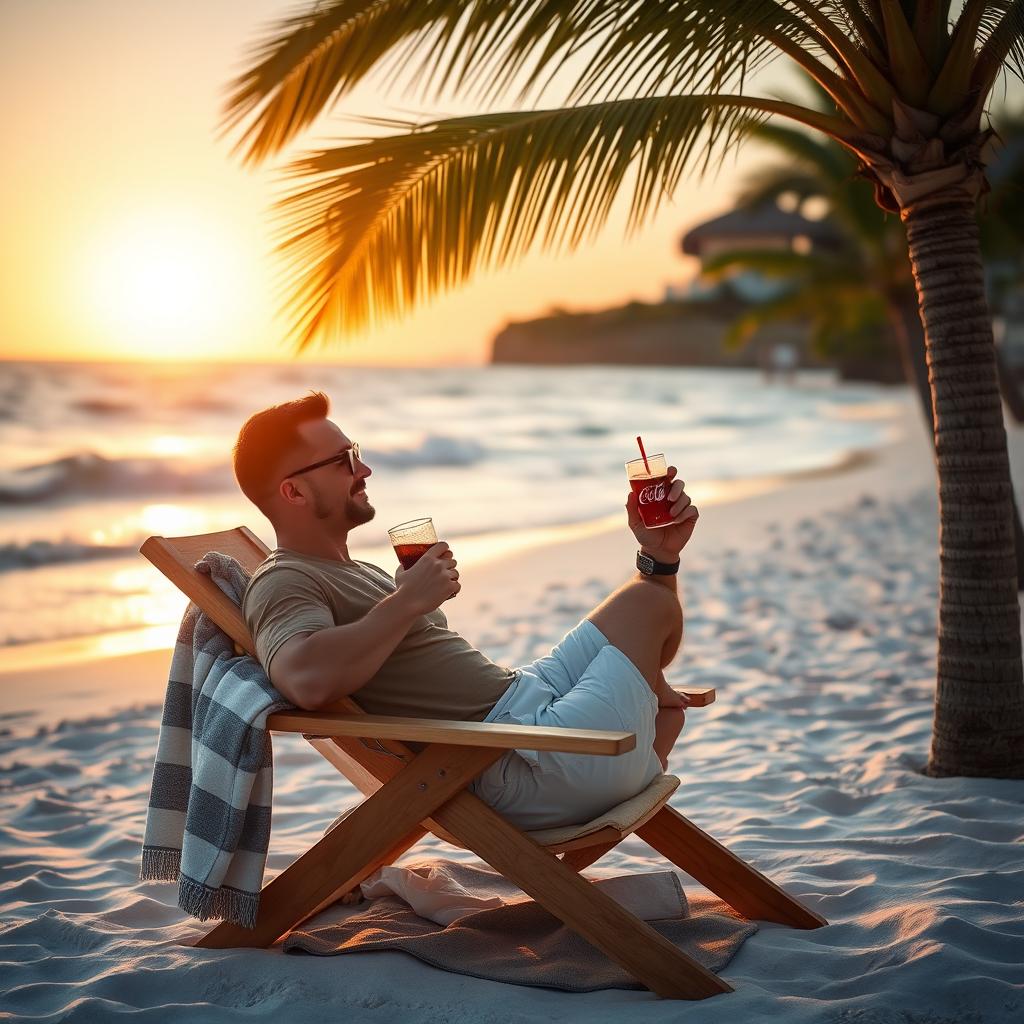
<point>432,673</point>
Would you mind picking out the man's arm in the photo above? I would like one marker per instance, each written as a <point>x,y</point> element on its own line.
<point>315,669</point>
<point>666,543</point>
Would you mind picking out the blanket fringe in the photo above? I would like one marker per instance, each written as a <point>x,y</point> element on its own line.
<point>224,904</point>
<point>160,863</point>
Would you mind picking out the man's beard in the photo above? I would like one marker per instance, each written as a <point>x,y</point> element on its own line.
<point>359,512</point>
<point>356,512</point>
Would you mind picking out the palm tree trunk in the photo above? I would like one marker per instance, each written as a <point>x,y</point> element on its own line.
<point>905,318</point>
<point>978,727</point>
<point>1009,387</point>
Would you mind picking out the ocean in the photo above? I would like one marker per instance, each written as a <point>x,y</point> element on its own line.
<point>95,457</point>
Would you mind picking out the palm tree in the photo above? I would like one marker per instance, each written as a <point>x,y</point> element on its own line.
<point>655,89</point>
<point>866,284</point>
<point>859,295</point>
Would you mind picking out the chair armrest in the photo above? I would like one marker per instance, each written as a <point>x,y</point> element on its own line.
<point>700,697</point>
<point>466,734</point>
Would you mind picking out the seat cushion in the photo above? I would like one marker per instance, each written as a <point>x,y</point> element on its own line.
<point>622,816</point>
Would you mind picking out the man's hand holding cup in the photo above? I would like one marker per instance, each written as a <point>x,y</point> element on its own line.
<point>427,576</point>
<point>664,543</point>
<point>431,581</point>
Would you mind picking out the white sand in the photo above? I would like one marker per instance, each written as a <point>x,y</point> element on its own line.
<point>811,609</point>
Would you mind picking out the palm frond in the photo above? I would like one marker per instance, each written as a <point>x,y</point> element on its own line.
<point>820,153</point>
<point>783,264</point>
<point>766,184</point>
<point>872,11</point>
<point>819,97</point>
<point>855,59</point>
<point>310,60</point>
<point>710,45</point>
<point>842,317</point>
<point>929,24</point>
<point>781,309</point>
<point>390,221</point>
<point>854,207</point>
<point>818,269</point>
<point>856,18</point>
<point>850,320</point>
<point>909,69</point>
<point>822,169</point>
<point>707,46</point>
<point>950,90</point>
<point>1003,25</point>
<point>314,57</point>
<point>990,15</point>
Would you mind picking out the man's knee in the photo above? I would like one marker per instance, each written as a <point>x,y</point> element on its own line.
<point>640,619</point>
<point>662,603</point>
<point>652,595</point>
<point>641,603</point>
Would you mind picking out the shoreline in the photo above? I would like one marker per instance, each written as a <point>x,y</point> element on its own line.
<point>98,673</point>
<point>73,525</point>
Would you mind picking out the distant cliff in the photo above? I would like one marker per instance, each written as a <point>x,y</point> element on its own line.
<point>675,333</point>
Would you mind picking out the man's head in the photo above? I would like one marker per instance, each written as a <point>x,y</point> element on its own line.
<point>276,461</point>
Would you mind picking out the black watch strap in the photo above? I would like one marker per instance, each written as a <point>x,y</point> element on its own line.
<point>649,567</point>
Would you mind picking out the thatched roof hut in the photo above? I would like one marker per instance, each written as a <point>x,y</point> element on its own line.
<point>763,227</point>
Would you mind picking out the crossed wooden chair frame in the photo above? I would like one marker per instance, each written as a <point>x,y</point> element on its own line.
<point>409,795</point>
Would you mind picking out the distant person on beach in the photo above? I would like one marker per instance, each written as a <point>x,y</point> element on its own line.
<point>783,359</point>
<point>327,626</point>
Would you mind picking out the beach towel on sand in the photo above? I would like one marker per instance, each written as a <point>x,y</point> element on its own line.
<point>208,825</point>
<point>435,892</point>
<point>517,942</point>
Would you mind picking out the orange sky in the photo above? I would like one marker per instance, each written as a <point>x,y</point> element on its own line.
<point>128,230</point>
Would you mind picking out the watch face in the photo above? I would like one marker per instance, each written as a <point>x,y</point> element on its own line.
<point>645,564</point>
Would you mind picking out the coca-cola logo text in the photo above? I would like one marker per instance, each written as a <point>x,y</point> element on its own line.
<point>652,493</point>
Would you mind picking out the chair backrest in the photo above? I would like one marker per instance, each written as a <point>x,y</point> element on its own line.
<point>176,557</point>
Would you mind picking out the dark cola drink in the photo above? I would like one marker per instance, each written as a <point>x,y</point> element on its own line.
<point>652,501</point>
<point>649,482</point>
<point>410,540</point>
<point>410,554</point>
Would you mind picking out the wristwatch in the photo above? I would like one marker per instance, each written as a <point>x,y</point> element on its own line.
<point>649,567</point>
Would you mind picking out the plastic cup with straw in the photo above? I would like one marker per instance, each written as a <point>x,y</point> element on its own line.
<point>648,479</point>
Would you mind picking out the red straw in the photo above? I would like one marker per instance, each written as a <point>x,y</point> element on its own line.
<point>643,453</point>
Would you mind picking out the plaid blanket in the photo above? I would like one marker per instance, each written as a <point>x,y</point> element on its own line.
<point>208,825</point>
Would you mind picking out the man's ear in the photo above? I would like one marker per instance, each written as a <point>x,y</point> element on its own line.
<point>291,493</point>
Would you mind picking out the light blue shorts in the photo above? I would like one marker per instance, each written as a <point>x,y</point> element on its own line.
<point>584,683</point>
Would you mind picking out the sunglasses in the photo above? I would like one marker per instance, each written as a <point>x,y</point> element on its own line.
<point>351,454</point>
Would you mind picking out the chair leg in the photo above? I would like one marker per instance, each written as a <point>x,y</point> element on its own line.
<point>378,831</point>
<point>352,894</point>
<point>742,886</point>
<point>620,935</point>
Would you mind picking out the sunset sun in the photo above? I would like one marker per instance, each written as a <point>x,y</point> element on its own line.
<point>163,286</point>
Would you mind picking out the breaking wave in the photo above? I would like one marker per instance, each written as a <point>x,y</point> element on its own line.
<point>89,475</point>
<point>35,553</point>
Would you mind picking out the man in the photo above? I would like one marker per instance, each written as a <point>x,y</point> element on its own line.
<point>327,626</point>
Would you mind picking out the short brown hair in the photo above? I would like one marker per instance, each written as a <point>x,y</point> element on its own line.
<point>266,437</point>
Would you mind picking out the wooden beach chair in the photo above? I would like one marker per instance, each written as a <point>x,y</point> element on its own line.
<point>409,794</point>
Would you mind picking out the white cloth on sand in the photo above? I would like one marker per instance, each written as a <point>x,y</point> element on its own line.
<point>434,894</point>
